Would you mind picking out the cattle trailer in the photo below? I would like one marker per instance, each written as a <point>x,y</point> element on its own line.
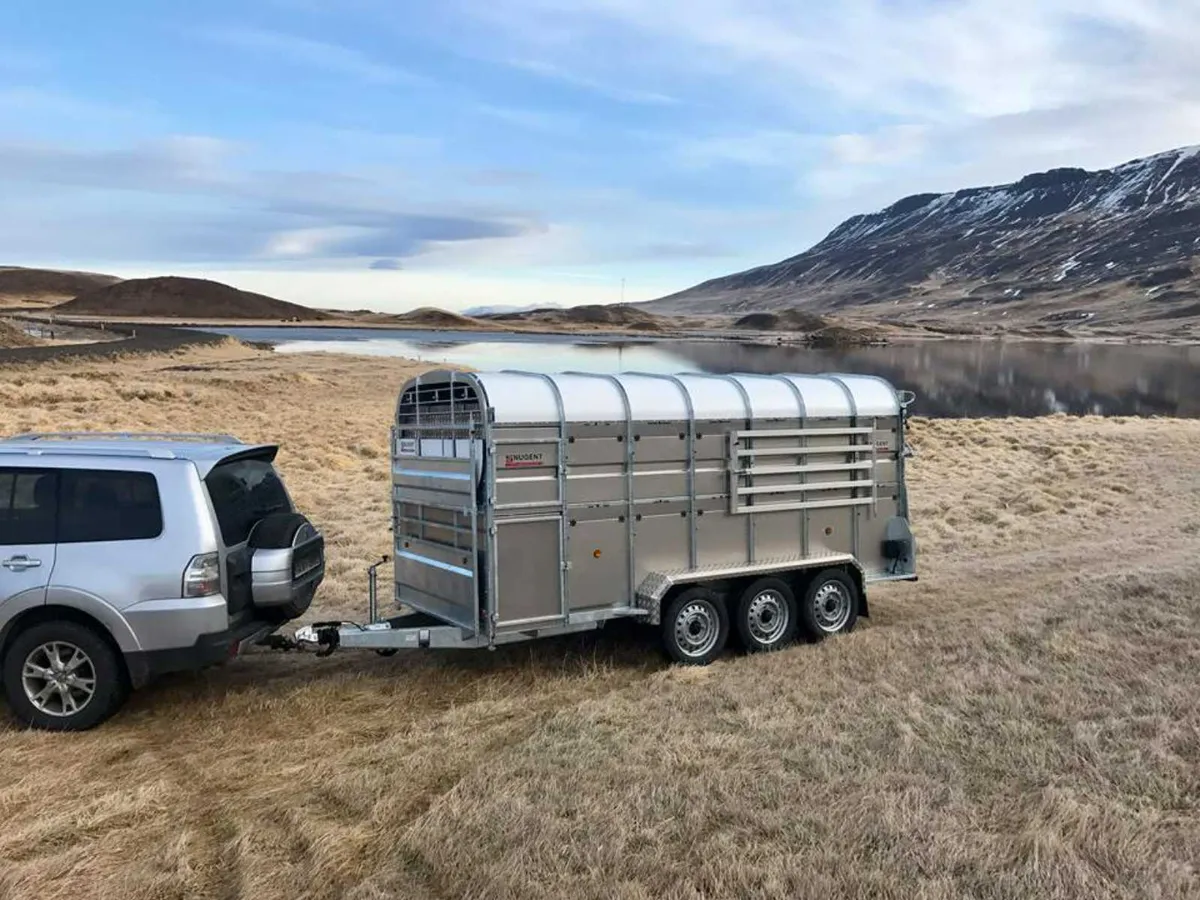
<point>527,505</point>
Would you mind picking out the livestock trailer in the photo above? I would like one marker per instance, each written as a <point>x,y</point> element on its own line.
<point>527,505</point>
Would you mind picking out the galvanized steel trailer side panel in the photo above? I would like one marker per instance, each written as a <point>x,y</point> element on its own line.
<point>586,497</point>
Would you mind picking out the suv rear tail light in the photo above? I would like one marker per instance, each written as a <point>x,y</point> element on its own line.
<point>202,577</point>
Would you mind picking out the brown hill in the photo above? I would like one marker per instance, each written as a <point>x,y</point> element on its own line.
<point>784,320</point>
<point>821,331</point>
<point>193,299</point>
<point>35,287</point>
<point>616,315</point>
<point>427,317</point>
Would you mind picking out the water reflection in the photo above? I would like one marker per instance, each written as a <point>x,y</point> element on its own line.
<point>951,378</point>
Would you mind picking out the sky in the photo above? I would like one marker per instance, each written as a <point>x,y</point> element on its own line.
<point>393,153</point>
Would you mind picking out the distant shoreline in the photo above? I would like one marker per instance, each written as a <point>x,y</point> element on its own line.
<point>158,335</point>
<point>582,333</point>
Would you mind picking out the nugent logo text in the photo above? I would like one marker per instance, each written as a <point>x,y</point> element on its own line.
<point>523,460</point>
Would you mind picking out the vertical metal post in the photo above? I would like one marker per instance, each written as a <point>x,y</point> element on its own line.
<point>901,449</point>
<point>732,462</point>
<point>693,544</point>
<point>630,504</point>
<point>853,456</point>
<point>732,474</point>
<point>801,459</point>
<point>493,578</point>
<point>854,507</point>
<point>475,567</point>
<point>690,462</point>
<point>751,519</point>
<point>564,603</point>
<point>372,595</point>
<point>564,584</point>
<point>874,469</point>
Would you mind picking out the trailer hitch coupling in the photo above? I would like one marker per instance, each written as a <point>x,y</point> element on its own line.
<point>322,634</point>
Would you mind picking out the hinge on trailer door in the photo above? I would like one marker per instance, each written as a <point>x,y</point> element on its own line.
<point>566,566</point>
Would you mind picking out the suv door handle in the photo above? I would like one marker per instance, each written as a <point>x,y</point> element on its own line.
<point>20,563</point>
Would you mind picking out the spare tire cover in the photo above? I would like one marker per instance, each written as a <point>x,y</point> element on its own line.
<point>278,531</point>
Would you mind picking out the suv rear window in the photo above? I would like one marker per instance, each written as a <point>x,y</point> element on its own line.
<point>242,492</point>
<point>108,506</point>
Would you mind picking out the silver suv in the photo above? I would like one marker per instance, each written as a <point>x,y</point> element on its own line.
<point>125,556</point>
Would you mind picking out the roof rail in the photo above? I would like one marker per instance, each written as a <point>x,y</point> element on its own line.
<point>125,436</point>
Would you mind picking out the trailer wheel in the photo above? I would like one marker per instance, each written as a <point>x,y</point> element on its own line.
<point>766,616</point>
<point>830,604</point>
<point>695,627</point>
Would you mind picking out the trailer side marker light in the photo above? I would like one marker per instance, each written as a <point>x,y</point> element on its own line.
<point>596,553</point>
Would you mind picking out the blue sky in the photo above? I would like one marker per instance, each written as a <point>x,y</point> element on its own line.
<point>389,153</point>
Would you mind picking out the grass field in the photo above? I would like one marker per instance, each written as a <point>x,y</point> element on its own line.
<point>1022,723</point>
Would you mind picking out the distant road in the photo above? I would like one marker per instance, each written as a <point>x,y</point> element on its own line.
<point>138,339</point>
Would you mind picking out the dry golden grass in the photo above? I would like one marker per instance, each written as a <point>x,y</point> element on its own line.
<point>1024,722</point>
<point>28,301</point>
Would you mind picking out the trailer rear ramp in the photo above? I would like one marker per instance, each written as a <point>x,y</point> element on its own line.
<point>526,505</point>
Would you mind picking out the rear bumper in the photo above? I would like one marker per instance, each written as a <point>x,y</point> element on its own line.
<point>208,650</point>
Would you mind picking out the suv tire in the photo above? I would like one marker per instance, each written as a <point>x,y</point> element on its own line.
<point>50,667</point>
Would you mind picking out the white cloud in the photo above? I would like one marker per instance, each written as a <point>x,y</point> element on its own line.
<point>978,57</point>
<point>303,51</point>
<point>28,106</point>
<point>180,198</point>
<point>928,79</point>
<point>886,146</point>
<point>611,91</point>
<point>309,242</point>
<point>755,148</point>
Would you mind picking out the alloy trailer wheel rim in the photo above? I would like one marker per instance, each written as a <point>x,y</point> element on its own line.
<point>697,628</point>
<point>767,617</point>
<point>831,604</point>
<point>59,679</point>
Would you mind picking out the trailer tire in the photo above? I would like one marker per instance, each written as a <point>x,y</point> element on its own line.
<point>829,605</point>
<point>695,627</point>
<point>766,615</point>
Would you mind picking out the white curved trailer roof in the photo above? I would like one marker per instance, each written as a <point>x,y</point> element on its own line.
<point>528,397</point>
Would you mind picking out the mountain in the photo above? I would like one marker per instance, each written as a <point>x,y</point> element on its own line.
<point>1109,248</point>
<point>172,297</point>
<point>35,287</point>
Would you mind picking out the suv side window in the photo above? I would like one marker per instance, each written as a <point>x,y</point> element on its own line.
<point>108,506</point>
<point>28,500</point>
<point>242,492</point>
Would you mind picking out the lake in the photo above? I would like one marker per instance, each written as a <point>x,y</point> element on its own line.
<point>950,378</point>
